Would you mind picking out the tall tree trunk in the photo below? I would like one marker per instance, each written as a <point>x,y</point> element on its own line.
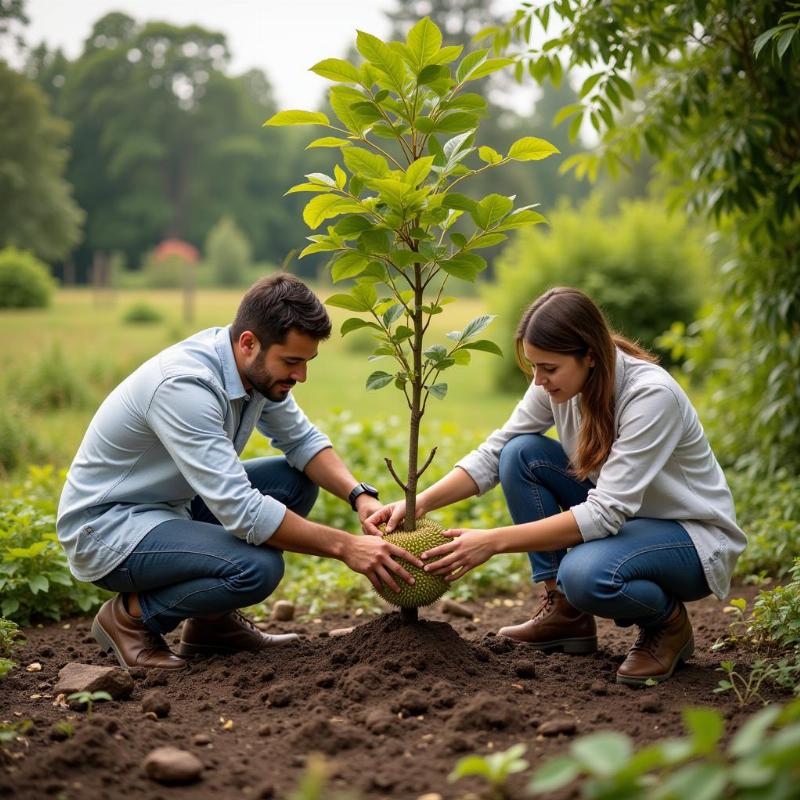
<point>410,522</point>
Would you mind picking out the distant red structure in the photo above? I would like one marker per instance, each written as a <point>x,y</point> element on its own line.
<point>176,247</point>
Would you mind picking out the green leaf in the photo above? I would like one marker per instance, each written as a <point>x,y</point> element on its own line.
<point>529,148</point>
<point>489,155</point>
<point>491,209</point>
<point>476,326</point>
<point>469,766</point>
<point>38,583</point>
<point>329,141</point>
<point>340,175</point>
<point>567,112</point>
<point>418,170</point>
<point>486,345</point>
<point>424,40</point>
<point>349,225</point>
<point>9,606</point>
<point>431,73</point>
<point>377,380</point>
<point>785,41</point>
<point>295,117</point>
<point>753,732</point>
<point>698,781</point>
<point>348,266</point>
<point>624,87</point>
<point>346,301</point>
<point>394,192</point>
<point>307,187</point>
<point>447,54</point>
<point>520,218</point>
<point>705,726</point>
<point>380,55</point>
<point>603,754</point>
<point>557,773</point>
<point>456,122</point>
<point>486,240</point>
<point>392,314</point>
<point>590,83</point>
<point>438,390</point>
<point>354,323</point>
<point>465,266</point>
<point>488,67</point>
<point>342,100</point>
<point>336,69</point>
<point>362,162</point>
<point>325,206</point>
<point>459,201</point>
<point>469,63</point>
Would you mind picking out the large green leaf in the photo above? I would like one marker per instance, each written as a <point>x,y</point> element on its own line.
<point>381,55</point>
<point>394,192</point>
<point>296,117</point>
<point>488,67</point>
<point>325,206</point>
<point>474,327</point>
<point>379,379</point>
<point>529,148</point>
<point>602,754</point>
<point>489,155</point>
<point>486,345</point>
<point>308,187</point>
<point>520,219</point>
<point>459,201</point>
<point>336,69</point>
<point>355,224</point>
<point>438,390</point>
<point>469,63</point>
<point>456,122</point>
<point>342,100</point>
<point>346,301</point>
<point>324,246</point>
<point>328,141</point>
<point>362,162</point>
<point>486,240</point>
<point>348,266</point>
<point>465,266</point>
<point>491,209</point>
<point>418,170</point>
<point>424,40</point>
<point>354,323</point>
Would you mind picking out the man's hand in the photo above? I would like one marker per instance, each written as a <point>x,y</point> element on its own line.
<point>466,550</point>
<point>392,514</point>
<point>366,505</point>
<point>373,557</point>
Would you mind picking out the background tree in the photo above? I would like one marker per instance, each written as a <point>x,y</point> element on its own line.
<point>228,253</point>
<point>715,101</point>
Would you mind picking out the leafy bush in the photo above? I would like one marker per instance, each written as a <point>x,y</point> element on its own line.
<point>228,253</point>
<point>776,613</point>
<point>18,444</point>
<point>25,282</point>
<point>141,314</point>
<point>321,583</point>
<point>34,575</point>
<point>762,760</point>
<point>10,637</point>
<point>169,272</point>
<point>54,381</point>
<point>645,268</point>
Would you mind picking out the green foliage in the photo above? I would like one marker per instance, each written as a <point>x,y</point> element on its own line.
<point>410,131</point>
<point>761,760</point>
<point>495,769</point>
<point>18,443</point>
<point>776,613</point>
<point>313,784</point>
<point>39,213</point>
<point>746,687</point>
<point>25,282</point>
<point>35,580</point>
<point>168,272</point>
<point>228,252</point>
<point>10,731</point>
<point>10,637</point>
<point>692,63</point>
<point>88,699</point>
<point>142,314</point>
<point>643,266</point>
<point>53,381</point>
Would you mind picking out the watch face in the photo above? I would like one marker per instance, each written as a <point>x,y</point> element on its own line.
<point>369,488</point>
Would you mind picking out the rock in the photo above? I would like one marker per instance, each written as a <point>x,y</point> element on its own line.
<point>265,730</point>
<point>559,725</point>
<point>430,796</point>
<point>651,705</point>
<point>598,687</point>
<point>524,668</point>
<point>454,609</point>
<point>156,702</point>
<point>201,739</point>
<point>340,631</point>
<point>283,611</point>
<point>172,766</point>
<point>412,702</point>
<point>76,677</point>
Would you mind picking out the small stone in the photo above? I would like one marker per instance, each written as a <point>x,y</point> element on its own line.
<point>34,667</point>
<point>651,705</point>
<point>430,796</point>
<point>265,730</point>
<point>170,765</point>
<point>598,687</point>
<point>525,669</point>
<point>151,715</point>
<point>156,702</point>
<point>283,611</point>
<point>76,677</point>
<point>454,609</point>
<point>565,726</point>
<point>201,739</point>
<point>340,631</point>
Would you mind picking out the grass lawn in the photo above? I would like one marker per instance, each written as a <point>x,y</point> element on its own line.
<point>82,339</point>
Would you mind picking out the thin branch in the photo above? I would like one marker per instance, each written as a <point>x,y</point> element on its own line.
<point>394,474</point>
<point>427,463</point>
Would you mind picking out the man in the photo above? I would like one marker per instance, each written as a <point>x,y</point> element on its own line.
<point>158,507</point>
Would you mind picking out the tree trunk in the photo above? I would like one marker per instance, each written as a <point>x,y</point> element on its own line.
<point>410,522</point>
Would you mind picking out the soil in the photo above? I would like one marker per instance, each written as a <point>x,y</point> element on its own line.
<point>391,706</point>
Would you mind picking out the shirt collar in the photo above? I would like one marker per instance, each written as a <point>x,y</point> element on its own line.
<point>230,374</point>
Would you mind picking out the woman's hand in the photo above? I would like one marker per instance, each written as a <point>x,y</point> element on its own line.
<point>466,550</point>
<point>392,514</point>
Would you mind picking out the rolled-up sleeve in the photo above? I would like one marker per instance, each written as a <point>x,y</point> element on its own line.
<point>187,416</point>
<point>289,430</point>
<point>533,414</point>
<point>650,427</point>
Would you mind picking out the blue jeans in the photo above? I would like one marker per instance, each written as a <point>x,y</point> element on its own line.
<point>193,567</point>
<point>633,577</point>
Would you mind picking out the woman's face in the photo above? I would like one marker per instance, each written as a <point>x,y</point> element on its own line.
<point>561,375</point>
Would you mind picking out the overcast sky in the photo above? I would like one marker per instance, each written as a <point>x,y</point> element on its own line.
<point>282,37</point>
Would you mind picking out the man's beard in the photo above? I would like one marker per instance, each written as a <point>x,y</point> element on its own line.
<point>264,383</point>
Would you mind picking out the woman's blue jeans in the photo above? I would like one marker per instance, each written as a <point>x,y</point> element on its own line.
<point>633,577</point>
<point>193,567</point>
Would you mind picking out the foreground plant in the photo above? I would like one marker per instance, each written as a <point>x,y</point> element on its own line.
<point>406,133</point>
<point>495,769</point>
<point>10,637</point>
<point>88,699</point>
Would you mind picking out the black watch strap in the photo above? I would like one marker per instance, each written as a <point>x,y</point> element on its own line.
<point>359,489</point>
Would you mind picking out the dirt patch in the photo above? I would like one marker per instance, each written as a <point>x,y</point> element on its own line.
<point>392,705</point>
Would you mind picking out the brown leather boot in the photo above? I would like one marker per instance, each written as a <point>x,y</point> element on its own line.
<point>556,625</point>
<point>130,641</point>
<point>658,650</point>
<point>229,633</point>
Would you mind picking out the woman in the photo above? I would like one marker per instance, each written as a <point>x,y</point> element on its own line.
<point>627,516</point>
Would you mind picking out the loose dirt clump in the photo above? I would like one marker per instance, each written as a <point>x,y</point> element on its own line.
<point>392,706</point>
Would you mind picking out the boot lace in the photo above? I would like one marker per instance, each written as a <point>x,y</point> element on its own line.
<point>649,639</point>
<point>245,622</point>
<point>547,602</point>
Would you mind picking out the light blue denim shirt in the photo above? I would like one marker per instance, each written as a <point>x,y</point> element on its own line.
<point>172,430</point>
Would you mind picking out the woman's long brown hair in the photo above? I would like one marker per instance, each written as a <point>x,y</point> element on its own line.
<point>565,320</point>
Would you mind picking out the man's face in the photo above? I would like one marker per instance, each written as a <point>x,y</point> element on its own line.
<point>275,371</point>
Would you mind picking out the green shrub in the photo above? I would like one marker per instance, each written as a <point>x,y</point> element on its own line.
<point>25,282</point>
<point>18,443</point>
<point>141,314</point>
<point>35,580</point>
<point>645,268</point>
<point>228,253</point>
<point>54,381</point>
<point>776,613</point>
<point>169,272</point>
<point>10,638</point>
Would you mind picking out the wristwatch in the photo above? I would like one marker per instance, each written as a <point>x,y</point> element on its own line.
<point>361,488</point>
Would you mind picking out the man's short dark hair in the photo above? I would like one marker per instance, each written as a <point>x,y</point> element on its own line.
<point>277,304</point>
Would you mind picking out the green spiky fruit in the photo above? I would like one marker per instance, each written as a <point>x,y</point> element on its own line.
<point>427,588</point>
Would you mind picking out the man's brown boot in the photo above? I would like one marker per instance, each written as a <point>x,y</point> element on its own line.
<point>658,650</point>
<point>130,641</point>
<point>556,625</point>
<point>229,633</point>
